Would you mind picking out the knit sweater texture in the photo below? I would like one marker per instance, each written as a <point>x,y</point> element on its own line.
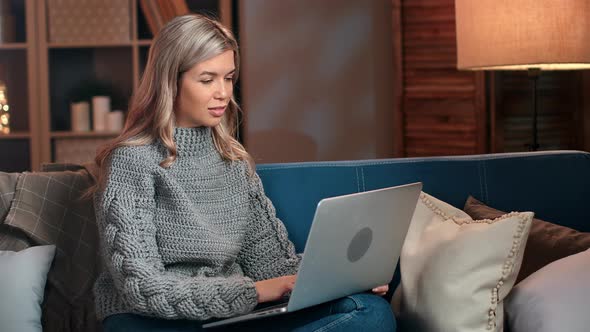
<point>188,241</point>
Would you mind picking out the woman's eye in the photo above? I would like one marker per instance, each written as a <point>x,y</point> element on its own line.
<point>207,81</point>
<point>229,79</point>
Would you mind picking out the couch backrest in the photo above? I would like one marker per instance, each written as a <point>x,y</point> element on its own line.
<point>553,184</point>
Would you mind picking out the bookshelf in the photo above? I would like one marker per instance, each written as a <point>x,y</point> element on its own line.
<point>18,70</point>
<point>44,76</point>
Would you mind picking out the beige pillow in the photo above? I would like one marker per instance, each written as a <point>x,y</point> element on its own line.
<point>456,271</point>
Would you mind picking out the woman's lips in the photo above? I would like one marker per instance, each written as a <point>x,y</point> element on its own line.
<point>217,111</point>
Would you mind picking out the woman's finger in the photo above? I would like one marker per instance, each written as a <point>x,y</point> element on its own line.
<point>381,289</point>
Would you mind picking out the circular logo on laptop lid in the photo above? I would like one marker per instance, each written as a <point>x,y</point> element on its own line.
<point>360,244</point>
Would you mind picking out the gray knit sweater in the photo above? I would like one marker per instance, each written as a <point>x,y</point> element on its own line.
<point>188,241</point>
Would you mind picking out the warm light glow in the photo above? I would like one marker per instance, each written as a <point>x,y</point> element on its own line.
<point>523,34</point>
<point>4,108</point>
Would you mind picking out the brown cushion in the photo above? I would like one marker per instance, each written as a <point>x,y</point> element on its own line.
<point>547,242</point>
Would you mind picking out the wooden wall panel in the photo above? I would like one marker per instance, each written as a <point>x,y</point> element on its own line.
<point>441,110</point>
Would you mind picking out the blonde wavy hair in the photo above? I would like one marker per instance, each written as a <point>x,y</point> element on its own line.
<point>181,44</point>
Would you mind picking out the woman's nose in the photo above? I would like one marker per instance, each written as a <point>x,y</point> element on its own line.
<point>221,91</point>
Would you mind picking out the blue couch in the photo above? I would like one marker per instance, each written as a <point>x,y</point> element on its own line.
<point>552,184</point>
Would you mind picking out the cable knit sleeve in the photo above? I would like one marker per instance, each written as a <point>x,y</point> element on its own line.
<point>267,251</point>
<point>125,211</point>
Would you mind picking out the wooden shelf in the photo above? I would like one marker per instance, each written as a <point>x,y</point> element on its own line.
<point>13,46</point>
<point>144,42</point>
<point>89,45</point>
<point>83,134</point>
<point>16,135</point>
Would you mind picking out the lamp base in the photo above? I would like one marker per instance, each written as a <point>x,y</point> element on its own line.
<point>532,147</point>
<point>533,74</point>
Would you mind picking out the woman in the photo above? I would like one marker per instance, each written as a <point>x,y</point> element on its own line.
<point>187,233</point>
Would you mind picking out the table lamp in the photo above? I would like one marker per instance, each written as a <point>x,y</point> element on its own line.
<point>531,35</point>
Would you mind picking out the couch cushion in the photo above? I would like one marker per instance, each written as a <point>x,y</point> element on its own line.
<point>555,298</point>
<point>10,238</point>
<point>7,188</point>
<point>547,242</point>
<point>21,290</point>
<point>456,271</point>
<point>48,209</point>
<point>13,239</point>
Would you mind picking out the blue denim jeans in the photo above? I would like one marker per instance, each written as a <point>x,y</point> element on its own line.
<point>359,312</point>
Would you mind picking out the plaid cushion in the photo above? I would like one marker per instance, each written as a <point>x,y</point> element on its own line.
<point>7,188</point>
<point>48,209</point>
<point>12,239</point>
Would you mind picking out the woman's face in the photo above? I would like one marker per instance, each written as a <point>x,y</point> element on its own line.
<point>205,91</point>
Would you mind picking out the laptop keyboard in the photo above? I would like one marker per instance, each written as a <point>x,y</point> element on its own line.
<point>273,306</point>
<point>270,310</point>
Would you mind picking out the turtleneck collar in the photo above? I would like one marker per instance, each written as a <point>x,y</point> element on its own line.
<point>193,141</point>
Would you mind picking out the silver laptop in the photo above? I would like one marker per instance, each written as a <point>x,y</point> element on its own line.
<point>353,246</point>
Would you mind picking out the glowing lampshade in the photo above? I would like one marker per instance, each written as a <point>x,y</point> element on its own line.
<point>523,34</point>
<point>532,35</point>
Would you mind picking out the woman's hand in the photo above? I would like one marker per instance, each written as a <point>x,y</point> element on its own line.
<point>381,290</point>
<point>274,289</point>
